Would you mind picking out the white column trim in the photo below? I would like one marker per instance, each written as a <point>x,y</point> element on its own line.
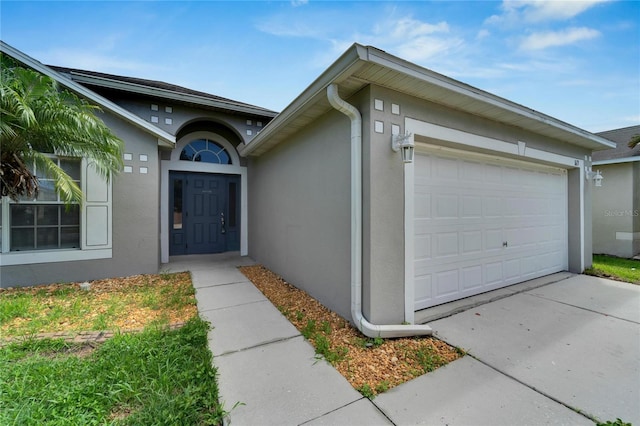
<point>409,245</point>
<point>581,165</point>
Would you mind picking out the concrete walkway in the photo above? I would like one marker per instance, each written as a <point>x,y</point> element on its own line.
<point>564,353</point>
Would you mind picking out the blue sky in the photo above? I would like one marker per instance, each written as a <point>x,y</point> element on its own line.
<point>578,61</point>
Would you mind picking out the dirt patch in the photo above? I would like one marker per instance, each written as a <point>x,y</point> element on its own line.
<point>121,412</point>
<point>79,351</point>
<point>127,303</point>
<point>370,365</point>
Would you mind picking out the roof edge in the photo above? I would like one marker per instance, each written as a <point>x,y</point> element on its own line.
<point>343,66</point>
<point>383,58</point>
<point>347,63</point>
<point>616,161</point>
<point>164,138</point>
<point>167,94</point>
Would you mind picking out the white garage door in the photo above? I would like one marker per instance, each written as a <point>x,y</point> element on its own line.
<point>483,223</point>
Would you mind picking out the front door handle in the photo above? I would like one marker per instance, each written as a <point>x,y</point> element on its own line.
<point>223,229</point>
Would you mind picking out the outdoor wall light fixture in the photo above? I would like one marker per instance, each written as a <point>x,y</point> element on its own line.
<point>404,144</point>
<point>596,176</point>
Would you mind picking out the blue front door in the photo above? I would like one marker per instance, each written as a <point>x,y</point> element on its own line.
<point>204,213</point>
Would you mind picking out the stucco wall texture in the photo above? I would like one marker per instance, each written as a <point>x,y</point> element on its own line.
<point>299,201</point>
<point>135,222</point>
<point>299,211</point>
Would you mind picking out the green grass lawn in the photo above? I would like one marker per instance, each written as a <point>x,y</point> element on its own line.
<point>615,268</point>
<point>156,377</point>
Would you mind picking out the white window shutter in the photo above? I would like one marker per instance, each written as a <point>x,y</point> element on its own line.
<point>97,210</point>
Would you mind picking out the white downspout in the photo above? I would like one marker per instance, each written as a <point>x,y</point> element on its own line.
<point>368,329</point>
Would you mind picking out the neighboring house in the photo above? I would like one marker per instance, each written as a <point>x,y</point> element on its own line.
<point>616,204</point>
<point>494,194</point>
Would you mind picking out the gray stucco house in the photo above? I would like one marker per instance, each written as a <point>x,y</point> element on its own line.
<point>616,205</point>
<point>180,160</point>
<point>382,189</point>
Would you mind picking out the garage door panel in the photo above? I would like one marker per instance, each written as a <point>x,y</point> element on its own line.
<point>422,247</point>
<point>471,277</point>
<point>422,205</point>
<point>423,289</point>
<point>471,206</point>
<point>511,269</point>
<point>446,207</point>
<point>493,239</point>
<point>445,168</point>
<point>489,225</point>
<point>446,283</point>
<point>446,244</point>
<point>493,173</point>
<point>493,273</point>
<point>472,172</point>
<point>533,265</point>
<point>471,242</point>
<point>492,206</point>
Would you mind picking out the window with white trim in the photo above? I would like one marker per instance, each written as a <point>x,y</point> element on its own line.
<point>205,151</point>
<point>45,222</point>
<point>44,229</point>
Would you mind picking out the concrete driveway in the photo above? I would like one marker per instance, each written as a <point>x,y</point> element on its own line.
<point>564,353</point>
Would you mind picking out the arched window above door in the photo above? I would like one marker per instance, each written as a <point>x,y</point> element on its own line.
<point>205,151</point>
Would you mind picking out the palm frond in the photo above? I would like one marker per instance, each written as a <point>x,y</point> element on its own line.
<point>68,189</point>
<point>38,117</point>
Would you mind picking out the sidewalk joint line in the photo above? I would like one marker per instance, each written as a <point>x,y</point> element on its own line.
<point>554,399</point>
<point>584,309</point>
<point>336,409</point>
<point>219,285</point>
<point>277,340</point>
<point>233,306</point>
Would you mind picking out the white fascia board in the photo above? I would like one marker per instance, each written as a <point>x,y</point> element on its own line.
<point>166,94</point>
<point>343,66</point>
<point>347,64</point>
<point>164,138</point>
<point>616,161</point>
<point>382,58</point>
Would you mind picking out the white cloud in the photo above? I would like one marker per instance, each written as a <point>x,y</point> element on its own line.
<point>279,26</point>
<point>422,49</point>
<point>412,39</point>
<point>483,33</point>
<point>296,3</point>
<point>404,36</point>
<point>542,40</point>
<point>410,28</point>
<point>541,10</point>
<point>557,10</point>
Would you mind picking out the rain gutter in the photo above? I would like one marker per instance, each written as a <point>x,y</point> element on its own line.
<point>367,328</point>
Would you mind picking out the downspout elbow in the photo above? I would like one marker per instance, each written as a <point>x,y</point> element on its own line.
<point>365,327</point>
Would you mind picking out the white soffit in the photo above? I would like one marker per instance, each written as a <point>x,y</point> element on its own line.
<point>360,66</point>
